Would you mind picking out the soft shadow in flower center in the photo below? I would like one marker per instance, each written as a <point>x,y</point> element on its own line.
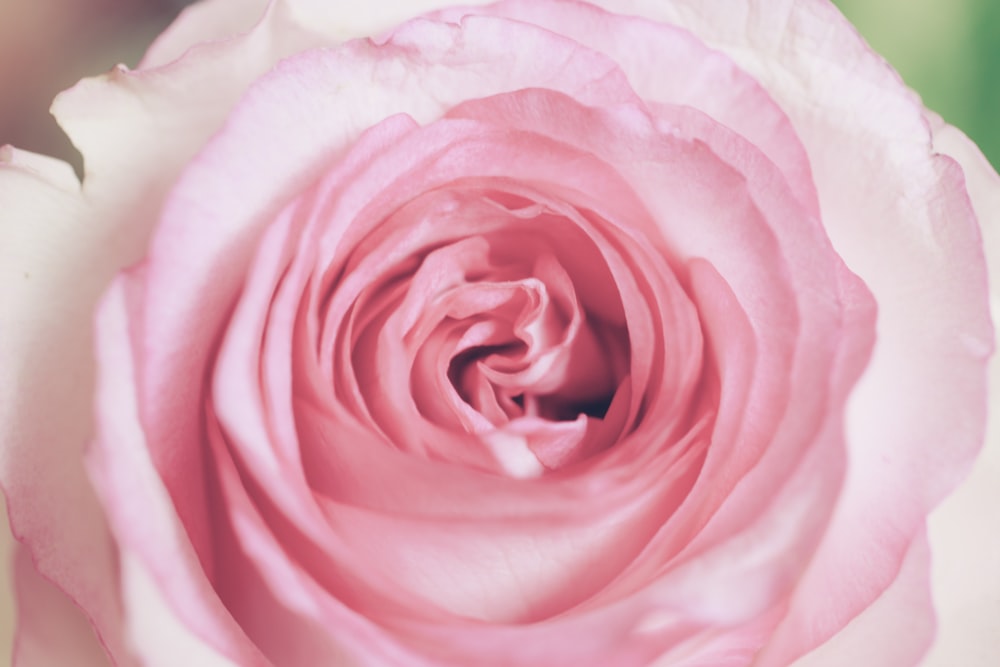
<point>517,404</point>
<point>495,319</point>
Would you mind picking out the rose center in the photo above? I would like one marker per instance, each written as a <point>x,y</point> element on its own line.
<point>507,333</point>
<point>529,368</point>
<point>549,368</point>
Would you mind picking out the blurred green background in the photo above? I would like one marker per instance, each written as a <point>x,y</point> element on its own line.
<point>948,51</point>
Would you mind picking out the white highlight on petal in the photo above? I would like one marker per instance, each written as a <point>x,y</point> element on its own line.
<point>512,452</point>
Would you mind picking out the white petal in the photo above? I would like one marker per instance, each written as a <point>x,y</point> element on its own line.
<point>964,530</point>
<point>54,260</point>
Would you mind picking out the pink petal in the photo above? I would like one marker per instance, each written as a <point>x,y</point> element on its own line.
<point>685,73</point>
<point>964,541</point>
<point>51,630</point>
<point>287,610</point>
<point>151,540</point>
<point>895,630</point>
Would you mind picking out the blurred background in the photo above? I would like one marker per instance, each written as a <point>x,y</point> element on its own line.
<point>948,50</point>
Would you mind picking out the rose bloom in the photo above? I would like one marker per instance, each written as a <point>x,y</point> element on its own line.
<point>540,333</point>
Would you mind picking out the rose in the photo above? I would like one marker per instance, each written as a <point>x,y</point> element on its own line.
<point>135,579</point>
<point>237,536</point>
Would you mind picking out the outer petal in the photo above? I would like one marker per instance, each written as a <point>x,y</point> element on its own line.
<point>964,531</point>
<point>339,21</point>
<point>965,537</point>
<point>51,630</point>
<point>55,257</point>
<point>137,129</point>
<point>882,636</point>
<point>206,21</point>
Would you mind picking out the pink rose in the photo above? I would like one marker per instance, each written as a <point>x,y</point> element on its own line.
<point>530,334</point>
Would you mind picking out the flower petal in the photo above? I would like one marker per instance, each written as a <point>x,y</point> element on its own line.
<point>51,630</point>
<point>895,630</point>
<point>964,538</point>
<point>156,553</point>
<point>55,257</point>
<point>201,23</point>
<point>686,73</point>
